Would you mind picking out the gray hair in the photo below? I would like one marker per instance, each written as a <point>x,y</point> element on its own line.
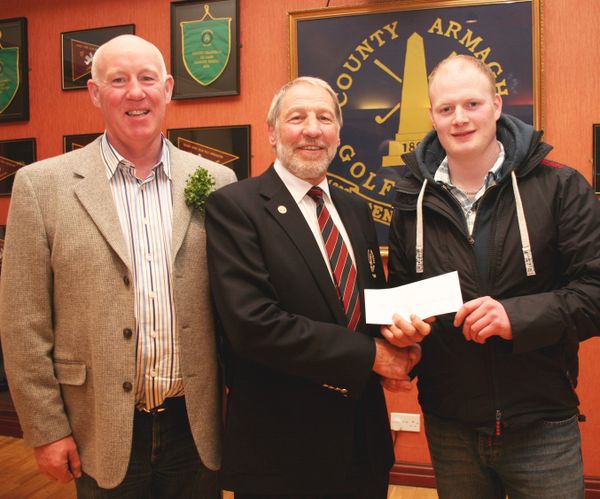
<point>274,110</point>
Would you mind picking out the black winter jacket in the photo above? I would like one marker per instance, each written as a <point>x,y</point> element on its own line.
<point>532,377</point>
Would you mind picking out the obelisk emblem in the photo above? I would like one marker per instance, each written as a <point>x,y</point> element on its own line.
<point>414,104</point>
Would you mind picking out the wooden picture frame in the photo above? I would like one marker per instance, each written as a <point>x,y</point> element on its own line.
<point>373,50</point>
<point>205,48</point>
<point>73,142</point>
<point>77,49</point>
<point>14,70</point>
<point>227,145</point>
<point>2,233</point>
<point>14,154</point>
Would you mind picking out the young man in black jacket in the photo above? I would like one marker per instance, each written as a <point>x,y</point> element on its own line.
<point>497,380</point>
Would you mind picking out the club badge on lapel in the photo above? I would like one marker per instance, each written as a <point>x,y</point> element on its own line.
<point>282,209</point>
<point>371,257</point>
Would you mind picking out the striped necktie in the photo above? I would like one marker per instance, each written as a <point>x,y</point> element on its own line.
<point>344,273</point>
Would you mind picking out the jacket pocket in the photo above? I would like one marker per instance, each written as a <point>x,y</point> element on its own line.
<point>70,372</point>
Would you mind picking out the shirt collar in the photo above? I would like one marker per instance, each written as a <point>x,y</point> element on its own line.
<point>298,187</point>
<point>112,159</point>
<point>442,174</point>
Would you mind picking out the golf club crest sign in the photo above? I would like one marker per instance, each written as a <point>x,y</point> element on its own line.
<point>380,78</point>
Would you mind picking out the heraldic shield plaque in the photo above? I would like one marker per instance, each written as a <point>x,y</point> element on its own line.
<point>14,83</point>
<point>377,61</point>
<point>204,48</point>
<point>78,48</point>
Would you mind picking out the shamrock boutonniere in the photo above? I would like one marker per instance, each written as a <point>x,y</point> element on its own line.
<point>197,188</point>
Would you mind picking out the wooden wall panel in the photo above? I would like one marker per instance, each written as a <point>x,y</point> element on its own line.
<point>571,60</point>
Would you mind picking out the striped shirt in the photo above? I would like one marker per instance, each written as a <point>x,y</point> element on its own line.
<point>469,203</point>
<point>145,209</point>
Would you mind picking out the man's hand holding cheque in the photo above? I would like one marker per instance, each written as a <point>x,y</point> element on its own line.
<point>403,333</point>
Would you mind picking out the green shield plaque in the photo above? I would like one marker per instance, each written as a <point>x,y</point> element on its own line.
<point>9,76</point>
<point>206,47</point>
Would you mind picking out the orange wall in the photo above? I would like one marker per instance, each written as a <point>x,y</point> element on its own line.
<point>570,103</point>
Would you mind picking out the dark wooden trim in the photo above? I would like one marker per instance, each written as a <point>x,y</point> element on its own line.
<point>421,475</point>
<point>412,475</point>
<point>592,487</point>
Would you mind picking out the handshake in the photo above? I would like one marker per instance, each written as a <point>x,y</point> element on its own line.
<point>399,352</point>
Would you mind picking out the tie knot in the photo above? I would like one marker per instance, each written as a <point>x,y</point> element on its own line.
<point>316,193</point>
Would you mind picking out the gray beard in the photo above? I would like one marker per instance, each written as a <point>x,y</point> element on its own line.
<point>305,171</point>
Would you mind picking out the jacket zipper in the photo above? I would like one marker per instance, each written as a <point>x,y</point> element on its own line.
<point>470,241</point>
<point>488,291</point>
<point>498,422</point>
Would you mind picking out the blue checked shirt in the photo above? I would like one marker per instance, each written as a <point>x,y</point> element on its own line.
<point>469,203</point>
<point>145,209</point>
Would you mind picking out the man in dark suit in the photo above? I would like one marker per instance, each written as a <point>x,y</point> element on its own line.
<point>306,414</point>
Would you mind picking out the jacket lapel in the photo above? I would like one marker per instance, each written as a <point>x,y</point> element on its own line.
<point>282,207</point>
<point>182,213</point>
<point>94,192</point>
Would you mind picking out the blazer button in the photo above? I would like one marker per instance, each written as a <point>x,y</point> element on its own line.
<point>127,386</point>
<point>126,280</point>
<point>127,333</point>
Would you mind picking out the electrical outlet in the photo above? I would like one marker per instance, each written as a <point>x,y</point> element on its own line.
<point>401,421</point>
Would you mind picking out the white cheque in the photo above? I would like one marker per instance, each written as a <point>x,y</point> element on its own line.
<point>426,298</point>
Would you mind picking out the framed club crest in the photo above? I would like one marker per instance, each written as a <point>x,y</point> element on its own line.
<point>227,145</point>
<point>14,68</point>
<point>72,142</point>
<point>14,154</point>
<point>204,48</point>
<point>377,59</point>
<point>78,48</point>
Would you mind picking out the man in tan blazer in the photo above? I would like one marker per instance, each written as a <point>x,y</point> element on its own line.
<point>105,311</point>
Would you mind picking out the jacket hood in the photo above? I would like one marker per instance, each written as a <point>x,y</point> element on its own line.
<point>518,138</point>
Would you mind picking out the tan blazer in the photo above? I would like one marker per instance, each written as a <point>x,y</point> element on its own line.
<point>67,299</point>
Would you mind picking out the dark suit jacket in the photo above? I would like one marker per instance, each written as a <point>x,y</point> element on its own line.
<point>303,404</point>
